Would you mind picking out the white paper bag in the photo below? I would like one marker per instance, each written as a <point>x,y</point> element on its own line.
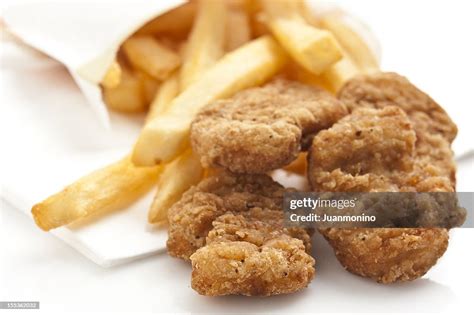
<point>83,36</point>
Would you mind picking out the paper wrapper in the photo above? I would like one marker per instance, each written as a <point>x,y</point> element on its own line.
<point>83,36</point>
<point>54,138</point>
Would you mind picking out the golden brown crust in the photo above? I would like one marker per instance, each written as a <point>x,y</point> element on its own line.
<point>365,151</point>
<point>255,226</point>
<point>379,90</point>
<point>191,219</point>
<point>231,228</point>
<point>434,129</point>
<point>263,128</point>
<point>280,265</point>
<point>389,255</point>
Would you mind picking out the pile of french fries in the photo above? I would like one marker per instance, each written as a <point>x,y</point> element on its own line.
<point>186,58</point>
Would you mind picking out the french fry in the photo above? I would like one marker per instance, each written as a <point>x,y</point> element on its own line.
<point>186,170</point>
<point>239,4</point>
<point>149,55</point>
<point>258,25</point>
<point>149,85</point>
<point>314,49</point>
<point>128,96</point>
<point>177,177</point>
<point>166,93</point>
<point>340,72</point>
<point>106,189</point>
<point>206,42</point>
<point>112,77</point>
<point>238,30</point>
<point>354,45</point>
<point>298,73</point>
<point>165,137</point>
<point>175,23</point>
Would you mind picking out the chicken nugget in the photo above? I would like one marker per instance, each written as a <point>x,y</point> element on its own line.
<point>231,228</point>
<point>255,226</point>
<point>378,90</point>
<point>279,266</point>
<point>389,255</point>
<point>435,131</point>
<point>365,151</point>
<point>264,128</point>
<point>191,219</point>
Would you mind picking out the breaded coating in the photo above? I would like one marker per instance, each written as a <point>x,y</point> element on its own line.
<point>203,209</point>
<point>191,218</point>
<point>382,89</point>
<point>231,228</point>
<point>263,128</point>
<point>369,150</point>
<point>388,255</point>
<point>280,265</point>
<point>255,226</point>
<point>434,163</point>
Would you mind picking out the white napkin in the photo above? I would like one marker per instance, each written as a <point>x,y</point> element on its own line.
<point>53,138</point>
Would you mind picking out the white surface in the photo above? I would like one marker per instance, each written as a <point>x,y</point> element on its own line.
<point>36,266</point>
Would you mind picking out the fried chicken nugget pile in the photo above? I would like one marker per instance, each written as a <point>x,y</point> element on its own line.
<point>264,128</point>
<point>395,139</point>
<point>231,228</point>
<point>231,225</point>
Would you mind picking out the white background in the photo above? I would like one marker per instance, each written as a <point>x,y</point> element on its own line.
<point>428,41</point>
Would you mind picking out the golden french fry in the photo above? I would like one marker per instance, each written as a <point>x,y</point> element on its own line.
<point>258,25</point>
<point>206,42</point>
<point>166,93</point>
<point>298,73</point>
<point>128,96</point>
<point>186,170</point>
<point>314,49</point>
<point>340,72</point>
<point>111,78</point>
<point>149,55</point>
<point>238,30</point>
<point>177,177</point>
<point>106,189</point>
<point>149,84</point>
<point>165,137</point>
<point>351,41</point>
<point>176,22</point>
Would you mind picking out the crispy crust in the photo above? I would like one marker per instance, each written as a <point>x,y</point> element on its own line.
<point>191,219</point>
<point>390,255</point>
<point>280,265</point>
<point>384,89</point>
<point>435,131</point>
<point>264,128</point>
<point>369,150</point>
<point>231,228</point>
